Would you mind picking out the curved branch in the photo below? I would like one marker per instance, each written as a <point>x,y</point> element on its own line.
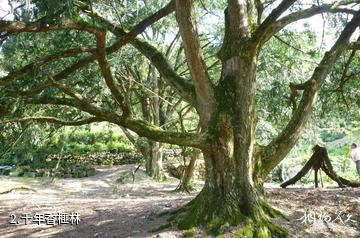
<point>155,133</point>
<point>344,77</point>
<point>18,26</point>
<point>265,26</point>
<point>80,102</point>
<point>105,70</point>
<point>278,25</point>
<point>180,84</point>
<point>54,120</point>
<point>99,113</point>
<point>184,88</point>
<point>48,59</point>
<point>124,38</point>
<point>139,28</point>
<point>140,127</point>
<point>66,90</point>
<point>282,144</point>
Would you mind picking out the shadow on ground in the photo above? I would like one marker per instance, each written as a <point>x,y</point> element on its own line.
<point>109,209</point>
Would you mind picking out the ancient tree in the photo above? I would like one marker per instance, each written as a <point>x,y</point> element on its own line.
<point>236,166</point>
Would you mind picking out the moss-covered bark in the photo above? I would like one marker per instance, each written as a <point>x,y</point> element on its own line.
<point>228,199</point>
<point>217,211</point>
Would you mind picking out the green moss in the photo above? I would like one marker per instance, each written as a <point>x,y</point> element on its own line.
<point>237,218</point>
<point>198,214</point>
<point>188,220</point>
<point>272,212</point>
<point>190,233</point>
<point>267,229</point>
<point>277,231</point>
<point>260,229</point>
<point>214,227</point>
<point>262,232</point>
<point>161,227</point>
<point>246,230</point>
<point>10,189</point>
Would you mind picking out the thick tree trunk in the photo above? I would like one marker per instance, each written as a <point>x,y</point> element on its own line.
<point>232,193</point>
<point>229,198</point>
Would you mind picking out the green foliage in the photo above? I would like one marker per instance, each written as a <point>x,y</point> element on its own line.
<point>34,151</point>
<point>84,140</point>
<point>47,169</point>
<point>329,136</point>
<point>34,143</point>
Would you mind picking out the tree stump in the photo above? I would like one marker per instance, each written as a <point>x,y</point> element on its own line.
<point>320,161</point>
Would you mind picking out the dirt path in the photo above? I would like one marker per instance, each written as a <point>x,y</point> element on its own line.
<point>109,209</point>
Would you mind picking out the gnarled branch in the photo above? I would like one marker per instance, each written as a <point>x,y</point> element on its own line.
<point>273,153</point>
<point>184,88</point>
<point>278,25</point>
<point>18,26</point>
<point>140,127</point>
<point>106,72</point>
<point>269,21</point>
<point>48,59</point>
<point>124,38</point>
<point>54,120</point>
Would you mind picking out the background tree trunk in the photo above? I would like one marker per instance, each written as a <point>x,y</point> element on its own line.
<point>157,171</point>
<point>186,183</point>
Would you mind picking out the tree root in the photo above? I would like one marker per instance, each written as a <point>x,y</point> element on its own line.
<point>185,188</point>
<point>260,229</point>
<point>17,188</point>
<point>219,218</point>
<point>271,211</point>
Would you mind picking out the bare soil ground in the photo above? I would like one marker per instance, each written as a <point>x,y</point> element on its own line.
<point>110,209</point>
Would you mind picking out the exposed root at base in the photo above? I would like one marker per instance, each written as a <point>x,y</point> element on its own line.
<point>218,219</point>
<point>17,188</point>
<point>185,188</point>
<point>260,229</point>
